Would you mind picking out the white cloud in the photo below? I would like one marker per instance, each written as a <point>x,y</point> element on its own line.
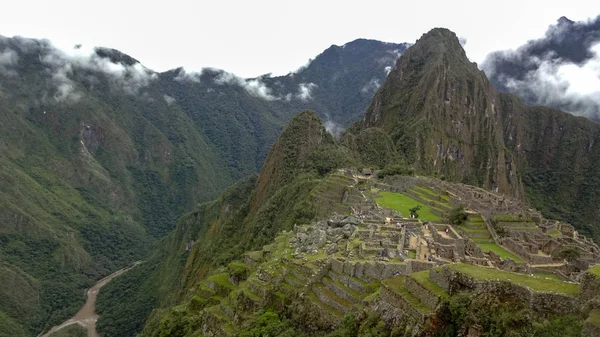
<point>184,75</point>
<point>371,87</point>
<point>333,128</point>
<point>254,87</point>
<point>305,91</point>
<point>62,64</point>
<point>574,87</point>
<point>387,70</point>
<point>170,100</point>
<point>8,59</point>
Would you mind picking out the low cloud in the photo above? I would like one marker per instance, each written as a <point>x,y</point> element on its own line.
<point>388,70</point>
<point>254,87</point>
<point>184,75</point>
<point>170,100</point>
<point>332,127</point>
<point>305,91</point>
<point>371,87</point>
<point>8,60</point>
<point>561,69</point>
<point>68,67</point>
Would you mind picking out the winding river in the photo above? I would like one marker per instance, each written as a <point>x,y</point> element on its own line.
<point>86,316</point>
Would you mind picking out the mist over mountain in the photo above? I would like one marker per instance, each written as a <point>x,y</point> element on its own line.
<point>561,69</point>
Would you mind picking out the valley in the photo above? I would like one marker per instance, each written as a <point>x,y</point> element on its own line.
<point>86,316</point>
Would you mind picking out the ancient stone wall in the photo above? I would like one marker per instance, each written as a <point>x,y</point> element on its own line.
<point>590,330</point>
<point>389,296</point>
<point>441,277</point>
<point>590,286</point>
<point>426,297</point>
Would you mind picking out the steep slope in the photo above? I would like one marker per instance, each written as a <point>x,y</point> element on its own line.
<point>558,158</point>
<point>440,110</point>
<point>246,217</point>
<point>445,118</point>
<point>92,169</point>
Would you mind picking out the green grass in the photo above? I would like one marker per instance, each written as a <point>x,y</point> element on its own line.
<point>534,283</point>
<point>547,275</point>
<point>554,232</point>
<point>490,246</point>
<point>411,254</point>
<point>474,230</point>
<point>422,278</point>
<point>402,203</point>
<point>594,317</point>
<point>595,270</point>
<point>222,280</point>
<point>397,285</point>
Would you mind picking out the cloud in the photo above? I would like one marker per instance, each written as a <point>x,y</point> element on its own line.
<point>462,40</point>
<point>371,87</point>
<point>170,100</point>
<point>184,75</point>
<point>67,67</point>
<point>8,59</point>
<point>254,87</point>
<point>561,69</point>
<point>332,127</point>
<point>305,91</point>
<point>387,70</point>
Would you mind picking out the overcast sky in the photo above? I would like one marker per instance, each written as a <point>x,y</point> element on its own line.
<point>250,38</point>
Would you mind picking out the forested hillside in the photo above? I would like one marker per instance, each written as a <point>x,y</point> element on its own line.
<point>99,156</point>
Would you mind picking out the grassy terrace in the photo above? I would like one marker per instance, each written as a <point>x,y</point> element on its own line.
<point>402,203</point>
<point>594,317</point>
<point>595,270</point>
<point>397,285</point>
<point>547,275</point>
<point>554,232</point>
<point>422,278</point>
<point>533,283</point>
<point>222,280</point>
<point>488,246</point>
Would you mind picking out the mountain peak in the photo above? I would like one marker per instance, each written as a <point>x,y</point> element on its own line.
<point>433,103</point>
<point>290,153</point>
<point>439,42</point>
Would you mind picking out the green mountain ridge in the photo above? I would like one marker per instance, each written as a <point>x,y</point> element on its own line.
<point>99,156</point>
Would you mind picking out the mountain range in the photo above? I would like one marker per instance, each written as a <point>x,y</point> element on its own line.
<point>99,156</point>
<point>102,159</point>
<point>436,114</point>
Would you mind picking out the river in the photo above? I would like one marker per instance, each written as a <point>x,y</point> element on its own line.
<point>87,316</point>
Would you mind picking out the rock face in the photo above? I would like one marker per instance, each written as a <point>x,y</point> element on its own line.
<point>442,114</point>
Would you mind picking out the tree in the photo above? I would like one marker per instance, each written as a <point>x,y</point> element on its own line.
<point>413,212</point>
<point>458,216</point>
